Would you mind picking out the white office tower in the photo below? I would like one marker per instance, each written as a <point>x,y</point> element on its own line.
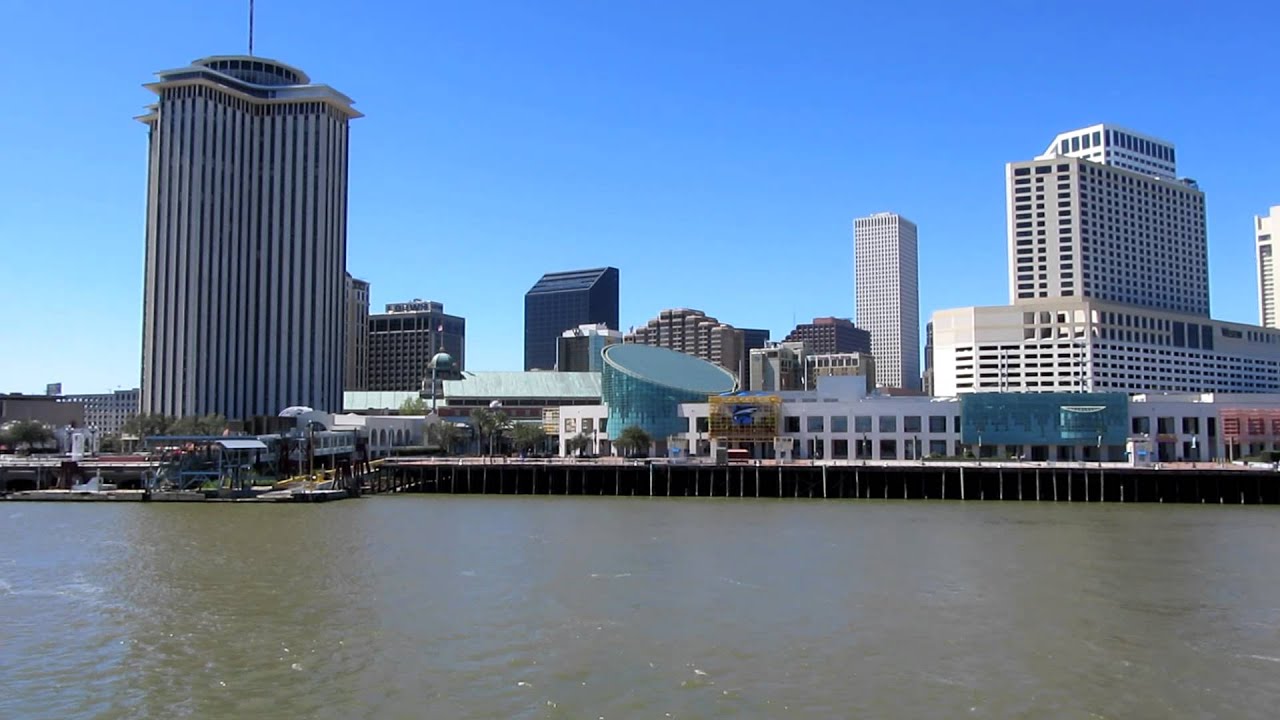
<point>887,295</point>
<point>243,306</point>
<point>1101,215</point>
<point>1109,283</point>
<point>1264,227</point>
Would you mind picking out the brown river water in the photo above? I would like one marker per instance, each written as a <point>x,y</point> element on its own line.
<point>574,607</point>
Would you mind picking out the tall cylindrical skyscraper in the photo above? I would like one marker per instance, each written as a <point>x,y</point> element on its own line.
<point>243,307</point>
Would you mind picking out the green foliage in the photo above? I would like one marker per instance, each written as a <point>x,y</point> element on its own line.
<point>528,436</point>
<point>25,433</point>
<point>109,444</point>
<point>143,426</point>
<point>577,444</point>
<point>490,424</point>
<point>204,425</point>
<point>444,436</point>
<point>633,440</point>
<point>414,406</point>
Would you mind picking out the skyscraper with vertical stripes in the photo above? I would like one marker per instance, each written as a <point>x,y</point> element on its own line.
<point>243,307</point>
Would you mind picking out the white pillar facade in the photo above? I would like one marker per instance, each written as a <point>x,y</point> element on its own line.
<point>244,307</point>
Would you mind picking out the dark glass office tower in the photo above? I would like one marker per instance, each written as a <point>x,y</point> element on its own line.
<point>564,300</point>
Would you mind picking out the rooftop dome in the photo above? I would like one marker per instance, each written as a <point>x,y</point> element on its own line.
<point>441,361</point>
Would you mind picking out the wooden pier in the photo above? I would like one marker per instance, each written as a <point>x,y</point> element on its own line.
<point>1074,482</point>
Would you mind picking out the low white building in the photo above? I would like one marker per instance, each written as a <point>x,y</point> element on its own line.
<point>1086,345</point>
<point>841,421</point>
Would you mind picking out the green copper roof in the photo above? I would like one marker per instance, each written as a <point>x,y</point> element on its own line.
<point>528,385</point>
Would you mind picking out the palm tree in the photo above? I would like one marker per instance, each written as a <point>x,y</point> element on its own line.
<point>528,436</point>
<point>443,435</point>
<point>577,444</point>
<point>633,440</point>
<point>490,423</point>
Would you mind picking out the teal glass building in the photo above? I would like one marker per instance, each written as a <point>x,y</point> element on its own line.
<point>1061,419</point>
<point>644,386</point>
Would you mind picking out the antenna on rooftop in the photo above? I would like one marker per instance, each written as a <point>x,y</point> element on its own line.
<point>251,27</point>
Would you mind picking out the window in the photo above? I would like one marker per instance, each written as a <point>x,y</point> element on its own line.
<point>791,424</point>
<point>938,448</point>
<point>702,425</point>
<point>588,425</point>
<point>888,450</point>
<point>862,423</point>
<point>839,423</point>
<point>937,423</point>
<point>1097,138</point>
<point>888,423</point>
<point>814,423</point>
<point>840,449</point>
<point>911,424</point>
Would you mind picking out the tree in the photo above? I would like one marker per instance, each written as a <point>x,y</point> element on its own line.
<point>490,424</point>
<point>414,406</point>
<point>528,436</point>
<point>147,425</point>
<point>633,440</point>
<point>199,425</point>
<point>577,444</point>
<point>31,433</point>
<point>443,435</point>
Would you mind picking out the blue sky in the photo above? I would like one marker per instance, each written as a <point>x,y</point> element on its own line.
<point>716,152</point>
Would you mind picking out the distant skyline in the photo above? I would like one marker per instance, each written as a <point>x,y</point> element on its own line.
<point>715,154</point>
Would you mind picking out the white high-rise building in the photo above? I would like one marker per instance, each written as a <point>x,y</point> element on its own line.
<point>887,294</point>
<point>1264,230</point>
<point>1105,218</point>
<point>1109,284</point>
<point>243,305</point>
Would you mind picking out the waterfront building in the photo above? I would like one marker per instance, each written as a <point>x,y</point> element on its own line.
<point>404,339</point>
<point>564,300</point>
<point>578,350</point>
<point>524,396</point>
<point>106,412</point>
<point>1080,344</point>
<point>826,335</point>
<point>841,421</point>
<point>886,281</point>
<point>643,386</point>
<point>695,333</point>
<point>1265,228</point>
<point>1107,219</point>
<point>246,240</point>
<point>357,365</point>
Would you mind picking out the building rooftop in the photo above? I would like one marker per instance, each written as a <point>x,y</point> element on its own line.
<point>527,385</point>
<point>669,368</point>
<point>570,280</point>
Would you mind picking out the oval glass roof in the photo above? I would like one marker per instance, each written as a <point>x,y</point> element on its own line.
<point>669,368</point>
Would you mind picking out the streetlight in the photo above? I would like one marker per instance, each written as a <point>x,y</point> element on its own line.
<point>1099,449</point>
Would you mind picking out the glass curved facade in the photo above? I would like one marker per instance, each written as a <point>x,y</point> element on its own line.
<point>644,386</point>
<point>652,407</point>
